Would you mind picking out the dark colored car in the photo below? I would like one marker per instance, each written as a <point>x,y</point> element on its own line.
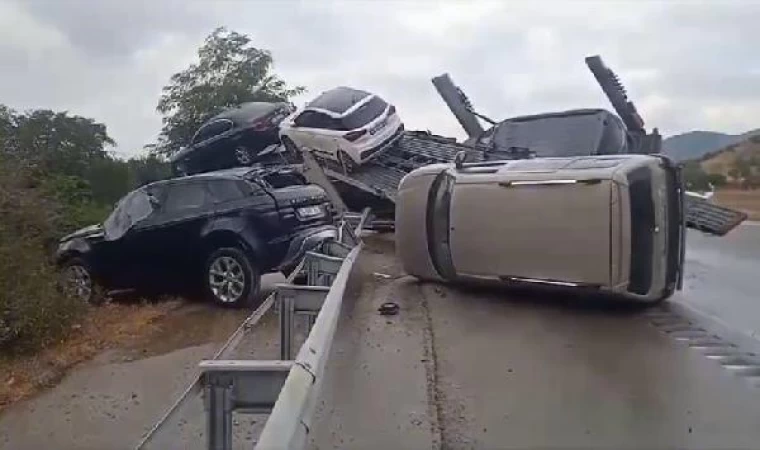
<point>233,138</point>
<point>580,132</point>
<point>224,229</point>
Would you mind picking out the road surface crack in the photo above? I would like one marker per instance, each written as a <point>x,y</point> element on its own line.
<point>434,393</point>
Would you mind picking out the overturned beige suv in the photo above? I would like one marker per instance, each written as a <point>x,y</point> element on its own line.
<point>613,224</point>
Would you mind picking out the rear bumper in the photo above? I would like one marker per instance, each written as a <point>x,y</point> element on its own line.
<point>368,154</point>
<point>305,241</point>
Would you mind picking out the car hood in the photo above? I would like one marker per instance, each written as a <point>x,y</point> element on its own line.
<point>90,231</point>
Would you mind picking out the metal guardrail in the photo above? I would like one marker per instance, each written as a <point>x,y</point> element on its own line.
<point>287,388</point>
<point>288,425</point>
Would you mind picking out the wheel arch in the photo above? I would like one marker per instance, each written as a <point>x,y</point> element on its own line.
<point>234,232</point>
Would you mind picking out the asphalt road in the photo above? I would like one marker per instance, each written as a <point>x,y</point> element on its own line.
<point>723,277</point>
<point>454,369</point>
<point>493,369</point>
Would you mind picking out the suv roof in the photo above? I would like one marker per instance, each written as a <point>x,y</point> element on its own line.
<point>338,100</point>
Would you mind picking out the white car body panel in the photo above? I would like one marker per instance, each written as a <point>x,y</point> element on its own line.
<point>328,143</point>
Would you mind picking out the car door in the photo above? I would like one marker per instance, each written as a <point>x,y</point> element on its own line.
<point>185,207</point>
<point>536,228</point>
<point>212,146</point>
<point>311,129</point>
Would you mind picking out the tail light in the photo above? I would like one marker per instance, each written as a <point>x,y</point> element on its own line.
<point>354,135</point>
<point>391,110</point>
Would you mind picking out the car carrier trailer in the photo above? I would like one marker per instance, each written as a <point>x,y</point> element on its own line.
<point>360,355</point>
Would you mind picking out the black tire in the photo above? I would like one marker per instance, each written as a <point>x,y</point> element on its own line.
<point>77,281</point>
<point>294,155</point>
<point>243,155</point>
<point>231,280</point>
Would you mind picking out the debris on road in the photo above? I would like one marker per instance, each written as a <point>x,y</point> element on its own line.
<point>388,309</point>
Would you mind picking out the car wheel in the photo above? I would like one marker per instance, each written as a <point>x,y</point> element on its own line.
<point>346,161</point>
<point>231,279</point>
<point>243,156</point>
<point>293,153</point>
<point>77,282</point>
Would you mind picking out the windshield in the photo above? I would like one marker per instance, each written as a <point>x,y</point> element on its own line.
<point>365,114</point>
<point>131,209</point>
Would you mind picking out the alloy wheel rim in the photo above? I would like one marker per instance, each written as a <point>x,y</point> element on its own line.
<point>242,155</point>
<point>226,279</point>
<point>78,283</point>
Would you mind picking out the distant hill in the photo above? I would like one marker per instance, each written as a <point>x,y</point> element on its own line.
<point>724,160</point>
<point>697,144</point>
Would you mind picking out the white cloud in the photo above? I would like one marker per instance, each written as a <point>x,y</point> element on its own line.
<point>687,64</point>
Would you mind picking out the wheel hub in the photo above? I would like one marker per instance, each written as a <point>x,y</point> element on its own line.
<point>78,283</point>
<point>242,155</point>
<point>226,279</point>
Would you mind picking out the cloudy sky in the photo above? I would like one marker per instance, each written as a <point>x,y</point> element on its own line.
<point>687,64</point>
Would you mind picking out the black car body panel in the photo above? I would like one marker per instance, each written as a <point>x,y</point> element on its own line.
<point>557,134</point>
<point>220,141</point>
<point>195,215</point>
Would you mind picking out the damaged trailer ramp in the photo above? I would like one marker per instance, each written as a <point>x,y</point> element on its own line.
<point>381,177</point>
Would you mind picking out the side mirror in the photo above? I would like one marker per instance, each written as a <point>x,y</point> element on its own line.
<point>154,201</point>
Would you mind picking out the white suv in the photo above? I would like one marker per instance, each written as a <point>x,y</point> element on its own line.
<point>346,125</point>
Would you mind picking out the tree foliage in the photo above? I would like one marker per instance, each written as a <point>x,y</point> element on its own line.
<point>229,71</point>
<point>56,175</point>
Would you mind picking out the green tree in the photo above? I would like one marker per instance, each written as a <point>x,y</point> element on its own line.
<point>52,141</point>
<point>229,71</point>
<point>716,179</point>
<point>695,177</point>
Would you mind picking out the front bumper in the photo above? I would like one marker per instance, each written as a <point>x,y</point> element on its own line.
<point>305,241</point>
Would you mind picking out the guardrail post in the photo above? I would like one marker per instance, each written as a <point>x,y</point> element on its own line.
<point>219,405</point>
<point>287,319</point>
<point>321,269</point>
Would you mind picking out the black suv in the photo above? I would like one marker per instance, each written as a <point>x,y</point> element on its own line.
<point>225,228</point>
<point>237,137</point>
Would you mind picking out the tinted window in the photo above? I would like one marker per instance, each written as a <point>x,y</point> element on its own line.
<point>224,190</point>
<point>185,196</point>
<point>642,230</point>
<point>130,210</point>
<point>211,130</point>
<point>338,100</point>
<point>313,119</point>
<point>365,114</point>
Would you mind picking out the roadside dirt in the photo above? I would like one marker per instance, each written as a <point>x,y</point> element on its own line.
<point>131,331</point>
<point>747,201</point>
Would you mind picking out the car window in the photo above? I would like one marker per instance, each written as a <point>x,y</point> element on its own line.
<point>338,100</point>
<point>129,211</point>
<point>212,129</point>
<point>224,190</point>
<point>307,119</point>
<point>365,114</point>
<point>185,196</point>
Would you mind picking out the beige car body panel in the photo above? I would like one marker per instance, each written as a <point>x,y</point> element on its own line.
<point>559,221</point>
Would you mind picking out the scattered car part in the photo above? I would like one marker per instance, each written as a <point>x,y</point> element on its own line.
<point>172,233</point>
<point>236,137</point>
<point>388,309</point>
<point>608,223</point>
<point>345,125</point>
